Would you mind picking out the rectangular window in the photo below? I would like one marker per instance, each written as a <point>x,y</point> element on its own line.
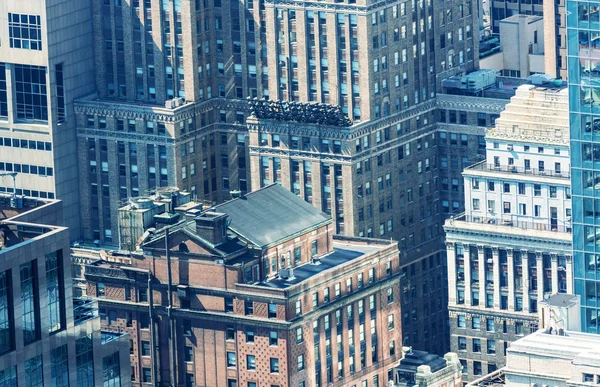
<point>85,361</point>
<point>29,302</point>
<point>54,291</point>
<point>60,92</point>
<point>31,93</point>
<point>6,313</point>
<point>111,371</point>
<point>34,372</point>
<point>8,377</point>
<point>3,91</point>
<point>251,362</point>
<point>25,31</point>
<point>59,359</point>
<point>231,359</point>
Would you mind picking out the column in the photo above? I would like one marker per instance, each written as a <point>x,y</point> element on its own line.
<point>451,254</point>
<point>481,256</point>
<point>467,260</point>
<point>511,279</point>
<point>569,260</point>
<point>540,274</point>
<point>554,267</point>
<point>496,272</point>
<point>525,266</point>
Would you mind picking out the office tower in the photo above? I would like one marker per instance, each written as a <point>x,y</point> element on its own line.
<point>46,60</point>
<point>47,337</point>
<point>582,30</point>
<point>511,248</point>
<point>262,291</point>
<point>171,79</point>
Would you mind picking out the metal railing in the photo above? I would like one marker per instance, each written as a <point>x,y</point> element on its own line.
<point>513,223</point>
<point>484,166</point>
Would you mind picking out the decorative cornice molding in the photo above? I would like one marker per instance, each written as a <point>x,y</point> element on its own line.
<point>480,104</point>
<point>125,136</point>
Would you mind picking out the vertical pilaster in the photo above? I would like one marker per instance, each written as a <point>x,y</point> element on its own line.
<point>451,254</point>
<point>496,272</point>
<point>467,264</point>
<point>540,274</point>
<point>481,257</point>
<point>511,279</point>
<point>525,266</point>
<point>569,262</point>
<point>554,268</point>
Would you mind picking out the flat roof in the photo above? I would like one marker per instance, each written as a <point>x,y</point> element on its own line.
<point>562,299</point>
<point>576,345</point>
<point>342,253</point>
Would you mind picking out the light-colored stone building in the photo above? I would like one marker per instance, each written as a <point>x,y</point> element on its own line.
<point>46,61</point>
<point>522,44</point>
<point>512,245</point>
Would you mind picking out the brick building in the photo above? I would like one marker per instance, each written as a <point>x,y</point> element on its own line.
<point>262,291</point>
<point>47,337</point>
<point>135,134</point>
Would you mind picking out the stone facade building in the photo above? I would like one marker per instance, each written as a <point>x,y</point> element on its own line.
<point>46,61</point>
<point>512,245</point>
<point>135,134</point>
<point>47,337</point>
<point>262,291</point>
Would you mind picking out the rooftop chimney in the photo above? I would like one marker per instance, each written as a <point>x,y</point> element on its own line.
<point>212,227</point>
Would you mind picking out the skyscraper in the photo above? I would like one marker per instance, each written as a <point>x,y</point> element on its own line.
<point>46,60</point>
<point>583,31</point>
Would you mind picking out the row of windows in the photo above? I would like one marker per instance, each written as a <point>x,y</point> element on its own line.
<point>29,192</point>
<point>26,168</point>
<point>25,144</point>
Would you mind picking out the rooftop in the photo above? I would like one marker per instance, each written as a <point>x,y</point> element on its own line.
<point>343,252</point>
<point>413,359</point>
<point>581,347</point>
<point>561,299</point>
<point>271,214</point>
<point>8,210</point>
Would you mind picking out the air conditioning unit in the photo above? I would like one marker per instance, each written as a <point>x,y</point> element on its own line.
<point>509,147</point>
<point>286,273</point>
<point>179,101</point>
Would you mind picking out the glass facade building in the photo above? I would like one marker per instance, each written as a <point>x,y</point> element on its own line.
<point>583,34</point>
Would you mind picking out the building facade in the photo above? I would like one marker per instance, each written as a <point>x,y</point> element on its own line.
<point>295,306</point>
<point>512,245</point>
<point>135,133</point>
<point>584,110</point>
<point>46,336</point>
<point>46,62</point>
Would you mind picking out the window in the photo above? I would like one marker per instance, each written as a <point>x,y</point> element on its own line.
<point>390,322</point>
<point>146,375</point>
<point>477,370</point>
<point>300,362</point>
<point>230,333</point>
<point>460,321</point>
<point>489,325</point>
<point>85,362</point>
<point>476,345</point>
<point>273,338</point>
<point>476,322</point>
<point>251,362</point>
<point>231,359</point>
<point>588,378</point>
<point>31,93</point>
<point>518,328</point>
<point>189,353</point>
<point>249,336</point>
<point>248,308</point>
<point>274,365</point>
<point>111,372</point>
<point>59,359</point>
<point>6,313</point>
<point>272,310</point>
<point>491,346</point>
<point>462,343</point>
<point>60,92</point>
<point>29,302</point>
<point>145,348</point>
<point>25,31</point>
<point>33,372</point>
